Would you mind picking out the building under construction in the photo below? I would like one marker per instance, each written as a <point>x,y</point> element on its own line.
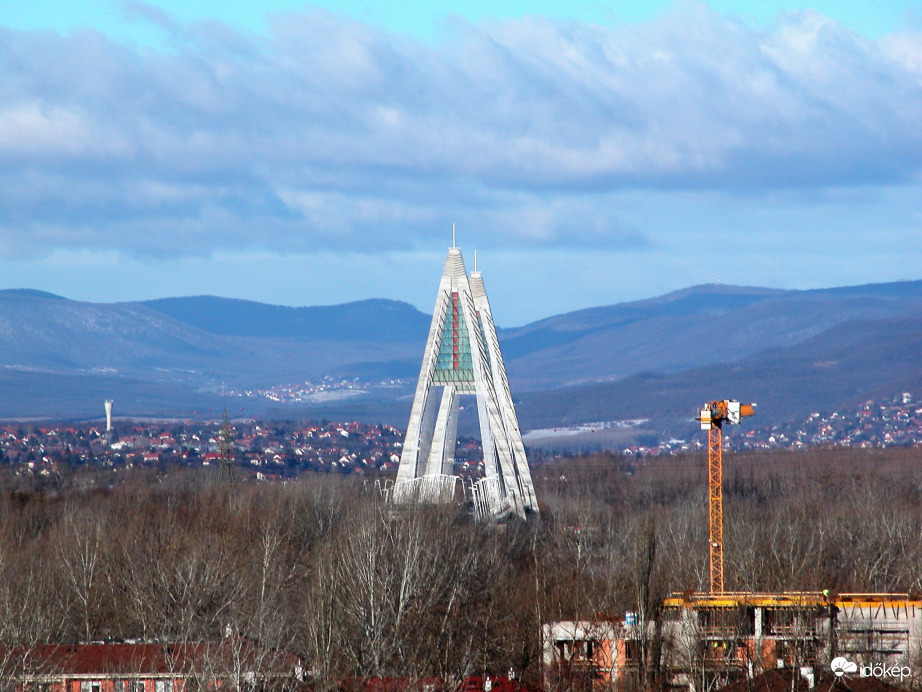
<point>703,641</point>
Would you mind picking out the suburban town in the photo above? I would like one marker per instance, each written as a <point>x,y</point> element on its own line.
<point>892,422</point>
<point>261,450</point>
<point>277,450</point>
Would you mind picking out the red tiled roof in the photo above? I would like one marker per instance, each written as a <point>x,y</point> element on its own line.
<point>499,683</point>
<point>147,658</point>
<point>384,684</point>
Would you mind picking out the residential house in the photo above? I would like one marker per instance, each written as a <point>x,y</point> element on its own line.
<point>147,667</point>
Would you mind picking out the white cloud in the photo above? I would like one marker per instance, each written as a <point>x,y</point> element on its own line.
<point>329,134</point>
<point>28,129</point>
<point>906,49</point>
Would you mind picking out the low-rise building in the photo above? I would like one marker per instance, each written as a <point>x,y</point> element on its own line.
<point>147,667</point>
<point>701,639</point>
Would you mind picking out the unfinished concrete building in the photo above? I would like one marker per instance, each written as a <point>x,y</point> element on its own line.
<point>701,640</point>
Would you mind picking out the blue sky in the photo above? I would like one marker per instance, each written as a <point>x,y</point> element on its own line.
<point>591,152</point>
<point>424,18</point>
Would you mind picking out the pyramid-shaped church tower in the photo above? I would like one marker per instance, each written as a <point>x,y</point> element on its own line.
<point>462,357</point>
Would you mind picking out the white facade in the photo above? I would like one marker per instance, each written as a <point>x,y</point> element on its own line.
<point>462,358</point>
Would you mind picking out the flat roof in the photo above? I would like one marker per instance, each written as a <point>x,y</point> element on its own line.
<point>788,599</point>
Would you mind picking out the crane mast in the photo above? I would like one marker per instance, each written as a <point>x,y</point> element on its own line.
<point>712,417</point>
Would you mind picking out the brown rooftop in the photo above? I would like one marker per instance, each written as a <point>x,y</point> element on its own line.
<point>146,658</point>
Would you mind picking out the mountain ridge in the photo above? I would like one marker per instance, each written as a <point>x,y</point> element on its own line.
<point>649,357</point>
<point>231,317</point>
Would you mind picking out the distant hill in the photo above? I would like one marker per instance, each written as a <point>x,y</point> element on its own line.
<point>373,321</point>
<point>30,293</point>
<point>60,350</point>
<point>837,368</point>
<point>790,351</point>
<point>687,329</point>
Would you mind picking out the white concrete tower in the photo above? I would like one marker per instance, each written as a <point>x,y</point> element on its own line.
<point>108,415</point>
<point>462,357</point>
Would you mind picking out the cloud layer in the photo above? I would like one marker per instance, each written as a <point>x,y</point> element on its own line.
<point>327,134</point>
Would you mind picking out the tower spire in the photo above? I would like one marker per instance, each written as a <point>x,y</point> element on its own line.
<point>462,357</point>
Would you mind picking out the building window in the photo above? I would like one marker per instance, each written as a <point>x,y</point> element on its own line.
<point>574,650</point>
<point>128,686</point>
<point>631,650</point>
<point>164,686</point>
<point>91,686</point>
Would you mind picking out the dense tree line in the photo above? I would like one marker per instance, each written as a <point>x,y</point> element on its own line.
<point>323,568</point>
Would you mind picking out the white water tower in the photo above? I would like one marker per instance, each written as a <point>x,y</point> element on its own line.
<point>108,415</point>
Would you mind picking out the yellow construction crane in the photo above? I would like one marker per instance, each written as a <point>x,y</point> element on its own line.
<point>712,417</point>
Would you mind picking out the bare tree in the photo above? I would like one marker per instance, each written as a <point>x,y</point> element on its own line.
<point>80,547</point>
